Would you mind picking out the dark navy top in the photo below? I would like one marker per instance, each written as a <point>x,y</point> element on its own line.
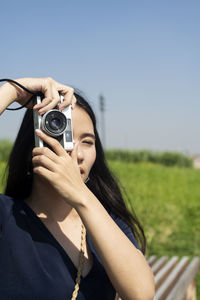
<point>33,265</point>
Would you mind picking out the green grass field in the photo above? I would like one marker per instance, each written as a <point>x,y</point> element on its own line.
<point>167,202</point>
<point>2,177</point>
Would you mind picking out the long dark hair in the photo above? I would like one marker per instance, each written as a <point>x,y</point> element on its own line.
<point>102,183</point>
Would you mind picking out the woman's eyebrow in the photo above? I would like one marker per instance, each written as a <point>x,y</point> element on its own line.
<point>88,134</point>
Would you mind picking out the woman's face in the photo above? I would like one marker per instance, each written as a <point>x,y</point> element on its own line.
<point>84,140</point>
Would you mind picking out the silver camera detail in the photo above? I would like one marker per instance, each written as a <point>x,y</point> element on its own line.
<point>55,123</point>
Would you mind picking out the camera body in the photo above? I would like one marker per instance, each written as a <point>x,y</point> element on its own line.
<point>57,124</point>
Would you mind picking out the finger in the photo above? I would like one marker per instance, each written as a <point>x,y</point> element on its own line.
<point>74,100</point>
<point>52,95</point>
<point>48,107</point>
<point>53,101</point>
<point>45,162</point>
<point>53,143</point>
<point>65,103</point>
<point>44,102</point>
<point>68,93</point>
<point>74,153</point>
<point>51,92</point>
<point>41,171</point>
<point>46,152</point>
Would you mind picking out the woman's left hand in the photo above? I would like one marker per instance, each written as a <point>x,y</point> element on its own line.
<point>59,168</point>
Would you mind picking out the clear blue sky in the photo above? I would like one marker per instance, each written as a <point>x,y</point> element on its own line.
<point>143,56</point>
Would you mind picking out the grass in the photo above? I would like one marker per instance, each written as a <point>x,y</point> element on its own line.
<point>2,178</point>
<point>166,201</point>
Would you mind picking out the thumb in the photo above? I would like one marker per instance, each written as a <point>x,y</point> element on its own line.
<point>74,153</point>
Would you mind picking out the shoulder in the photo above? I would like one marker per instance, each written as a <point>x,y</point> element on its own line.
<point>126,229</point>
<point>6,205</point>
<point>6,201</point>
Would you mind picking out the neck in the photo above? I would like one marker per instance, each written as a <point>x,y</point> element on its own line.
<point>48,204</point>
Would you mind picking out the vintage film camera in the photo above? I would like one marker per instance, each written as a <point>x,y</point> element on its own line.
<point>55,123</point>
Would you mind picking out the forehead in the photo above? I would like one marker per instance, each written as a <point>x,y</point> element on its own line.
<point>81,121</point>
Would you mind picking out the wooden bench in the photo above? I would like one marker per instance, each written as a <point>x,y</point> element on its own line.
<point>174,277</point>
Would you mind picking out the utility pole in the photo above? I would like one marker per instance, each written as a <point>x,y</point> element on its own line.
<point>102,110</point>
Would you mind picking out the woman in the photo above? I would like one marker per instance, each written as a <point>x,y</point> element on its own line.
<point>52,197</point>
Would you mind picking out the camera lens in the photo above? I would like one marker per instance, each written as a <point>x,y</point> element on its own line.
<point>54,122</point>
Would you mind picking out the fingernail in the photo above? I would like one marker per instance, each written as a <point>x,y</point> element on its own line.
<point>38,131</point>
<point>41,112</point>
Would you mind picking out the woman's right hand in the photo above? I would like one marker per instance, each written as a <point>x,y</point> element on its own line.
<point>9,93</point>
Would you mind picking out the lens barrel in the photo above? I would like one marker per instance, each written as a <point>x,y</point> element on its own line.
<point>54,122</point>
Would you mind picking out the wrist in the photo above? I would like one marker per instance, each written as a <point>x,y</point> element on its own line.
<point>20,94</point>
<point>7,96</point>
<point>84,199</point>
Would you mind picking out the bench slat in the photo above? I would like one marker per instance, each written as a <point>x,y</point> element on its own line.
<point>162,274</point>
<point>185,279</point>
<point>164,288</point>
<point>174,280</point>
<point>151,260</point>
<point>158,265</point>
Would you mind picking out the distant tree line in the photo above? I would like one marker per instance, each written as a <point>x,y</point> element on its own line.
<point>166,158</point>
<point>131,156</point>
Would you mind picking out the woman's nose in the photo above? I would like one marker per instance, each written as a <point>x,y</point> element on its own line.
<point>77,145</point>
<point>80,154</point>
